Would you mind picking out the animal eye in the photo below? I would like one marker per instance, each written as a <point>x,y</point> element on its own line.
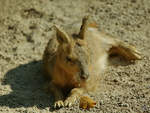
<point>68,59</point>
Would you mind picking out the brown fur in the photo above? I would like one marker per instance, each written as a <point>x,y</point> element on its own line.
<point>74,64</point>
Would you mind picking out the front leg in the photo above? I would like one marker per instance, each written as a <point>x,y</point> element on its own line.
<point>58,95</point>
<point>73,96</point>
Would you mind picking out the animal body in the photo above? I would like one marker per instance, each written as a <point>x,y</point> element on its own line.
<point>74,64</point>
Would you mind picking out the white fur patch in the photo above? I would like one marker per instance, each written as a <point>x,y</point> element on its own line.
<point>102,62</point>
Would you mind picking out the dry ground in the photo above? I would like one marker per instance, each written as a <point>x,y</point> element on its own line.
<point>25,28</point>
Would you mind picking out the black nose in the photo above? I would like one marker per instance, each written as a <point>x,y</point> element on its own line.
<point>84,75</point>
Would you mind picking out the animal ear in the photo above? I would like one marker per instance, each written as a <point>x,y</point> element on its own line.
<point>62,36</point>
<point>86,23</point>
<point>83,27</point>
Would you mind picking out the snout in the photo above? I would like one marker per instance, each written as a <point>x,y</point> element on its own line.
<point>84,74</point>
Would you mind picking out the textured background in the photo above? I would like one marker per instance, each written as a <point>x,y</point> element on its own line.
<point>25,28</point>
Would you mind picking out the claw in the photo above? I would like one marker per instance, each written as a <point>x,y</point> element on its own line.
<point>59,104</point>
<point>136,53</point>
<point>70,104</point>
<point>130,52</point>
<point>67,103</point>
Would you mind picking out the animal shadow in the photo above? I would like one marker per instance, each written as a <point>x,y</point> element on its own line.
<point>26,82</point>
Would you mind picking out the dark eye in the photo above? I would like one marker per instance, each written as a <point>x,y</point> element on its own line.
<point>68,59</point>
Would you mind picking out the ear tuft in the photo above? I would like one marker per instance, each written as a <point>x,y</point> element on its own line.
<point>61,35</point>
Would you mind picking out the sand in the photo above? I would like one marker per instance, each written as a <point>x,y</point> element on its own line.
<point>26,27</point>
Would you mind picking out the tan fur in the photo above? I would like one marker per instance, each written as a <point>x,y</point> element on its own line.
<point>74,64</point>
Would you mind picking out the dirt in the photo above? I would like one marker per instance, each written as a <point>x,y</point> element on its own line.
<point>26,27</point>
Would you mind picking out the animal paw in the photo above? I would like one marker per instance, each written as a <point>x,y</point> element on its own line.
<point>69,102</point>
<point>58,104</point>
<point>136,54</point>
<point>86,102</point>
<point>132,53</point>
<point>129,52</point>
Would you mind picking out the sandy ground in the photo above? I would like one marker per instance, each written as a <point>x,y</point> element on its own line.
<point>25,28</point>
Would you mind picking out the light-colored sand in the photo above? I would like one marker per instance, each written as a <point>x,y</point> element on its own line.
<point>25,28</point>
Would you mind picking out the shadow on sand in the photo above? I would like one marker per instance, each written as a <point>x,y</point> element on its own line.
<point>26,82</point>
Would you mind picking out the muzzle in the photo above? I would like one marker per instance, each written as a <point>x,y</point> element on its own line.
<point>84,73</point>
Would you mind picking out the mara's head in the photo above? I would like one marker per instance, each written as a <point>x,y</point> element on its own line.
<point>73,55</point>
